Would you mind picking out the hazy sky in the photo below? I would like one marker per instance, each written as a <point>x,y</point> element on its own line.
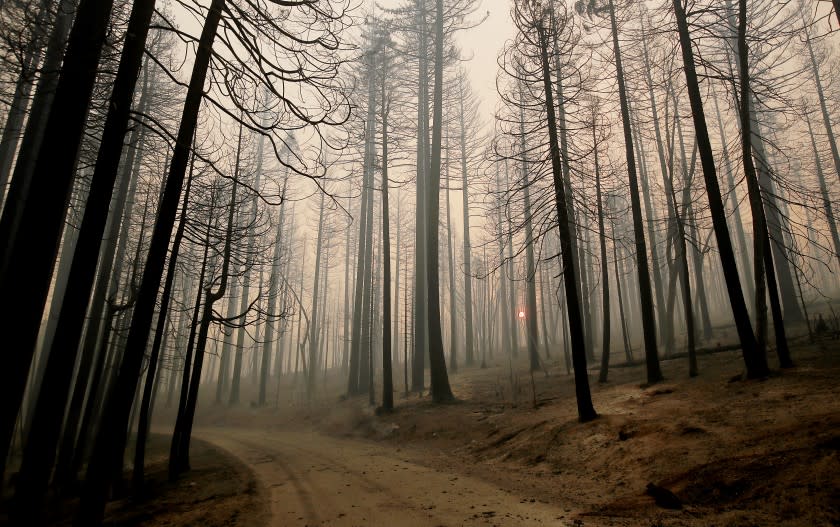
<point>483,44</point>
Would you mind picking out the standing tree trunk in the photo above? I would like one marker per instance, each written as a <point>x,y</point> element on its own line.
<point>682,257</point>
<point>563,128</point>
<point>405,333</point>
<point>395,336</point>
<point>183,448</point>
<point>39,113</point>
<point>201,293</point>
<point>374,332</point>
<point>223,375</point>
<point>465,194</point>
<point>361,302</point>
<point>453,334</point>
<point>298,349</point>
<point>755,363</point>
<point>146,406</point>
<point>688,217</point>
<point>235,376</point>
<point>826,199</point>
<point>628,350</point>
<point>421,273</point>
<point>345,355</point>
<point>774,222</point>
<point>20,98</point>
<point>112,250</point>
<point>507,344</point>
<point>654,374</point>
<point>52,311</point>
<point>733,199</point>
<point>666,328</point>
<point>511,315</point>
<point>30,230</point>
<point>530,267</point>
<point>605,269</point>
<point>756,205</point>
<point>586,412</point>
<point>365,362</point>
<point>761,165</point>
<point>387,374</point>
<point>441,392</point>
<point>545,303</point>
<point>314,328</point>
<point>246,283</point>
<point>770,230</point>
<point>273,286</point>
<point>832,141</point>
<point>110,441</point>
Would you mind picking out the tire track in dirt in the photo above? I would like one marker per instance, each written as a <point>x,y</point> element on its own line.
<point>314,480</point>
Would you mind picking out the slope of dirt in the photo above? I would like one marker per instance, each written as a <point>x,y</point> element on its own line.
<point>734,452</point>
<point>714,450</point>
<point>219,491</point>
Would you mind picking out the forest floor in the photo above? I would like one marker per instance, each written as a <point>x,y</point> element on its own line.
<point>732,452</point>
<point>219,491</point>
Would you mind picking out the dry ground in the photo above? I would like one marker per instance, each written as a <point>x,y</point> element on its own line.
<point>734,452</point>
<point>220,491</point>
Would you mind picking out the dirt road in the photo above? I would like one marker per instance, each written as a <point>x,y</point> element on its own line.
<point>317,480</point>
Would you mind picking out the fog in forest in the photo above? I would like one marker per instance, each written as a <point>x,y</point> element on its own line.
<point>419,262</point>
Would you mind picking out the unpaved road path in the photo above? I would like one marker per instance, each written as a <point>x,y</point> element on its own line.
<point>315,480</point>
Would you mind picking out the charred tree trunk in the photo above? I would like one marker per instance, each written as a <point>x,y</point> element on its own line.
<point>345,355</point>
<point>453,334</point>
<point>30,229</point>
<point>29,63</point>
<point>563,128</point>
<point>511,315</point>
<point>110,441</point>
<point>733,199</point>
<point>52,399</point>
<point>421,274</point>
<point>664,321</point>
<point>586,412</point>
<point>183,449</point>
<point>756,204</point>
<point>146,405</point>
<point>465,194</point>
<point>33,133</point>
<point>605,270</point>
<point>654,374</point>
<point>387,374</point>
<point>530,268</point>
<point>314,328</point>
<point>361,304</point>
<point>395,336</point>
<point>754,361</point>
<point>507,338</point>
<point>273,286</point>
<point>110,258</point>
<point>682,257</point>
<point>666,327</point>
<point>826,199</point>
<point>439,383</point>
<point>832,141</point>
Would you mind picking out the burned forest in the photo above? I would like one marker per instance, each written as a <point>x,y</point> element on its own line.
<point>419,263</point>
